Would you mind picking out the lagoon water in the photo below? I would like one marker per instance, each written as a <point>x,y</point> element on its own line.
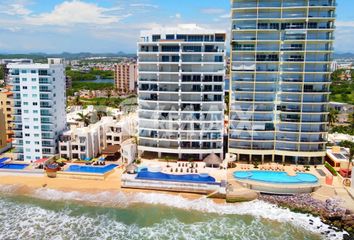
<point>53,214</point>
<point>99,80</point>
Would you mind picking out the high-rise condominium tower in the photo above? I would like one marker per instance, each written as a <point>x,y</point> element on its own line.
<point>39,108</point>
<point>181,92</point>
<point>281,55</point>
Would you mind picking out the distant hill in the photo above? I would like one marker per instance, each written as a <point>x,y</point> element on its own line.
<point>343,55</point>
<point>66,55</point>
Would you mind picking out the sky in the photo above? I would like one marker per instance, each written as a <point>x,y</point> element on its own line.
<point>110,26</point>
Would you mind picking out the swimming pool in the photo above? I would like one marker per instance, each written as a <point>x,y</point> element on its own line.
<point>13,166</point>
<point>91,169</point>
<point>159,176</point>
<point>276,177</point>
<point>3,160</point>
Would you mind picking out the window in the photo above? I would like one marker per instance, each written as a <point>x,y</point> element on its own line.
<point>23,71</point>
<point>36,135</point>
<point>165,58</point>
<point>26,111</point>
<point>27,134</point>
<point>155,38</point>
<point>25,103</point>
<point>182,37</point>
<point>34,87</point>
<point>35,119</point>
<point>34,79</point>
<point>24,87</point>
<point>170,37</point>
<point>36,142</point>
<point>28,142</point>
<point>24,79</point>
<point>35,111</point>
<point>35,104</point>
<point>37,150</point>
<point>27,127</point>
<point>36,127</point>
<point>28,157</point>
<point>34,95</point>
<point>25,95</point>
<point>195,38</point>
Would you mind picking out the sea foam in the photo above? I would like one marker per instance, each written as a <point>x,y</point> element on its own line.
<point>257,209</point>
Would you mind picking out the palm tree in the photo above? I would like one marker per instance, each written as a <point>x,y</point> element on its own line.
<point>101,114</point>
<point>85,118</point>
<point>77,101</point>
<point>332,117</point>
<point>108,93</point>
<point>350,145</point>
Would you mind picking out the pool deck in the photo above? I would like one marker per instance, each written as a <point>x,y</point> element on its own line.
<point>218,174</point>
<point>85,175</point>
<point>130,181</point>
<point>272,188</point>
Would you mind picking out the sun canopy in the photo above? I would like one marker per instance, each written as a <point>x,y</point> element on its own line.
<point>40,161</point>
<point>212,159</point>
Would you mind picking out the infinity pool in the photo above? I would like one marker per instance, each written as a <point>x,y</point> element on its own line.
<point>276,177</point>
<point>91,169</point>
<point>159,176</point>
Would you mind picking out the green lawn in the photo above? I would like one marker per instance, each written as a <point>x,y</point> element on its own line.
<point>342,92</point>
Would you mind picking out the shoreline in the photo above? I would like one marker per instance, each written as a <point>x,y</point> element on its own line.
<point>106,192</point>
<point>27,184</point>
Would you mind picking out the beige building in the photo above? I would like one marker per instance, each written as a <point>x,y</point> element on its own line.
<point>5,119</point>
<point>125,77</point>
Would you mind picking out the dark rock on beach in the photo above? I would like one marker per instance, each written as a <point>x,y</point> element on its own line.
<point>329,211</point>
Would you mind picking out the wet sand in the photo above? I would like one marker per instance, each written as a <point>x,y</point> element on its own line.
<point>27,184</point>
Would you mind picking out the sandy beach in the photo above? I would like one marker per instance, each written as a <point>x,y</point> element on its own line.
<point>27,184</point>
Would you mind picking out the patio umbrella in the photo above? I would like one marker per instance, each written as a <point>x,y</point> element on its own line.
<point>87,159</point>
<point>212,159</point>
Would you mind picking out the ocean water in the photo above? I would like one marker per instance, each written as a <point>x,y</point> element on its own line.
<point>51,214</point>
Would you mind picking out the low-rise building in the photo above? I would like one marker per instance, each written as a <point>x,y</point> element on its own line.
<point>73,116</point>
<point>106,135</point>
<point>344,110</point>
<point>338,158</point>
<point>336,138</point>
<point>129,151</point>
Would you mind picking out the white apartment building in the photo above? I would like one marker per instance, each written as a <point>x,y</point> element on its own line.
<point>280,77</point>
<point>181,75</point>
<point>89,142</point>
<point>39,107</point>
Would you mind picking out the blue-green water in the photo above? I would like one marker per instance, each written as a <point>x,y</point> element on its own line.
<point>58,215</point>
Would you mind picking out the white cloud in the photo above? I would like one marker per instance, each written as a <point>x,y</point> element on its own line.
<point>14,9</point>
<point>345,24</point>
<point>144,5</point>
<point>176,16</point>
<point>225,16</point>
<point>213,10</point>
<point>77,12</point>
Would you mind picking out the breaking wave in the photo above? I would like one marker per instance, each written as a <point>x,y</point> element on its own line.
<point>32,218</point>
